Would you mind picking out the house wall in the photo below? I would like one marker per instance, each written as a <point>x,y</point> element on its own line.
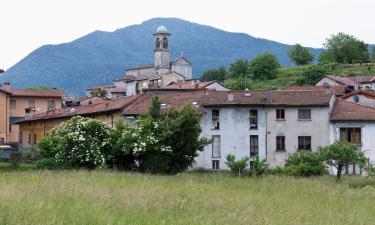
<point>22,103</point>
<point>169,78</point>
<point>141,72</point>
<point>183,67</point>
<point>367,135</point>
<point>363,100</point>
<point>291,128</point>
<point>216,86</point>
<point>234,134</point>
<point>326,80</point>
<point>4,116</point>
<point>130,88</point>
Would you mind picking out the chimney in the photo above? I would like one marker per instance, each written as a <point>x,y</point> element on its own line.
<point>230,96</point>
<point>269,95</point>
<point>6,86</point>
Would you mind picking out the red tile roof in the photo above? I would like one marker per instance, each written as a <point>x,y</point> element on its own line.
<point>339,89</point>
<point>345,80</point>
<point>359,92</point>
<point>348,111</point>
<point>34,93</point>
<point>107,106</point>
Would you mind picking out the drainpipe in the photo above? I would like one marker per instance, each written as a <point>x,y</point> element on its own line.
<point>6,118</point>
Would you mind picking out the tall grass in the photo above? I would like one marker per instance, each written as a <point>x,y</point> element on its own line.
<point>105,197</point>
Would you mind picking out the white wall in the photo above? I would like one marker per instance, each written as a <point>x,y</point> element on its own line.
<point>291,128</point>
<point>234,133</point>
<point>217,87</point>
<point>130,88</point>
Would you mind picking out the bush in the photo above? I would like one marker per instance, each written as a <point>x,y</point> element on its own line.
<point>15,158</point>
<point>52,164</point>
<point>81,142</point>
<point>237,167</point>
<point>260,167</point>
<point>361,182</point>
<point>305,163</point>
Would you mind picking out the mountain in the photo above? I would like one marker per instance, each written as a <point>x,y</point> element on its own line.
<point>99,57</point>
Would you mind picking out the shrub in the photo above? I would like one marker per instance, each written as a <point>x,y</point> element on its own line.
<point>81,142</point>
<point>15,158</point>
<point>305,163</point>
<point>361,182</point>
<point>260,167</point>
<point>236,166</point>
<point>52,164</point>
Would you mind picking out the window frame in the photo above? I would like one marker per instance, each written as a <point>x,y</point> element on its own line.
<point>280,112</point>
<point>214,156</point>
<point>305,143</point>
<point>253,112</point>
<point>300,114</point>
<point>280,147</point>
<point>215,119</point>
<point>254,147</point>
<point>349,132</point>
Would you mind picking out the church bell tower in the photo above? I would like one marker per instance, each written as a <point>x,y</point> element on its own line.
<point>161,50</point>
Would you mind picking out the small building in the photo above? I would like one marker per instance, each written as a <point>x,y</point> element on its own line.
<point>111,91</point>
<point>17,104</point>
<point>354,82</point>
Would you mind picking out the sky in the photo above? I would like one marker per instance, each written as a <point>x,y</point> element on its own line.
<point>26,25</point>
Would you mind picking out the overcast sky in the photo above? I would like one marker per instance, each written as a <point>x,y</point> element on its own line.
<point>27,24</point>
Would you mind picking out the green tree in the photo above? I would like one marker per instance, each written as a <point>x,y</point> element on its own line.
<point>215,74</point>
<point>326,57</point>
<point>373,54</point>
<point>239,68</point>
<point>345,48</point>
<point>264,66</point>
<point>236,166</point>
<point>341,154</point>
<point>312,74</point>
<point>300,55</point>
<point>155,107</point>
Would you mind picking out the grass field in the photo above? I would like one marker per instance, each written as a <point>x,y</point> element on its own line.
<point>105,197</point>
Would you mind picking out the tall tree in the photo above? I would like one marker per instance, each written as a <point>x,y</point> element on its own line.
<point>215,74</point>
<point>300,55</point>
<point>264,66</point>
<point>239,68</point>
<point>373,54</point>
<point>346,48</point>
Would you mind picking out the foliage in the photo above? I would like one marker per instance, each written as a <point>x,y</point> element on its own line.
<point>155,107</point>
<point>264,66</point>
<point>52,164</point>
<point>361,182</point>
<point>239,68</point>
<point>260,167</point>
<point>300,55</point>
<point>340,154</point>
<point>236,166</point>
<point>15,158</point>
<point>81,142</point>
<point>313,74</point>
<point>98,93</point>
<point>326,57</point>
<point>167,143</point>
<point>4,166</point>
<point>347,49</point>
<point>372,55</point>
<point>305,163</point>
<point>219,74</point>
<point>31,155</point>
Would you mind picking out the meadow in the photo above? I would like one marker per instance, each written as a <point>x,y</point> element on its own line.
<point>110,197</point>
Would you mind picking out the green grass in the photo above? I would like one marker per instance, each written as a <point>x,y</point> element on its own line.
<point>288,76</point>
<point>4,166</point>
<point>105,197</point>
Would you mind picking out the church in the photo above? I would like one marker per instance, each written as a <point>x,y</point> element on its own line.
<point>159,74</point>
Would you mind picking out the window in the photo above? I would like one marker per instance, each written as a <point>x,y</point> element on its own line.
<point>51,104</point>
<point>10,128</point>
<point>32,103</point>
<point>253,119</point>
<point>280,114</point>
<point>29,140</point>
<point>351,134</point>
<point>304,114</point>
<point>254,145</point>
<point>215,119</point>
<point>216,146</point>
<point>215,164</point>
<point>35,138</point>
<point>280,143</point>
<point>304,142</point>
<point>13,104</point>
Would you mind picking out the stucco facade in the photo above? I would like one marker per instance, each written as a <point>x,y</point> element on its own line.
<point>234,132</point>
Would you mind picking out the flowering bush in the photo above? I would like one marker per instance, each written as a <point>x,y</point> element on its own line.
<point>82,142</point>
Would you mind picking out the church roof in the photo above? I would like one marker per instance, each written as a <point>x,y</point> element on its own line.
<point>181,57</point>
<point>144,66</point>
